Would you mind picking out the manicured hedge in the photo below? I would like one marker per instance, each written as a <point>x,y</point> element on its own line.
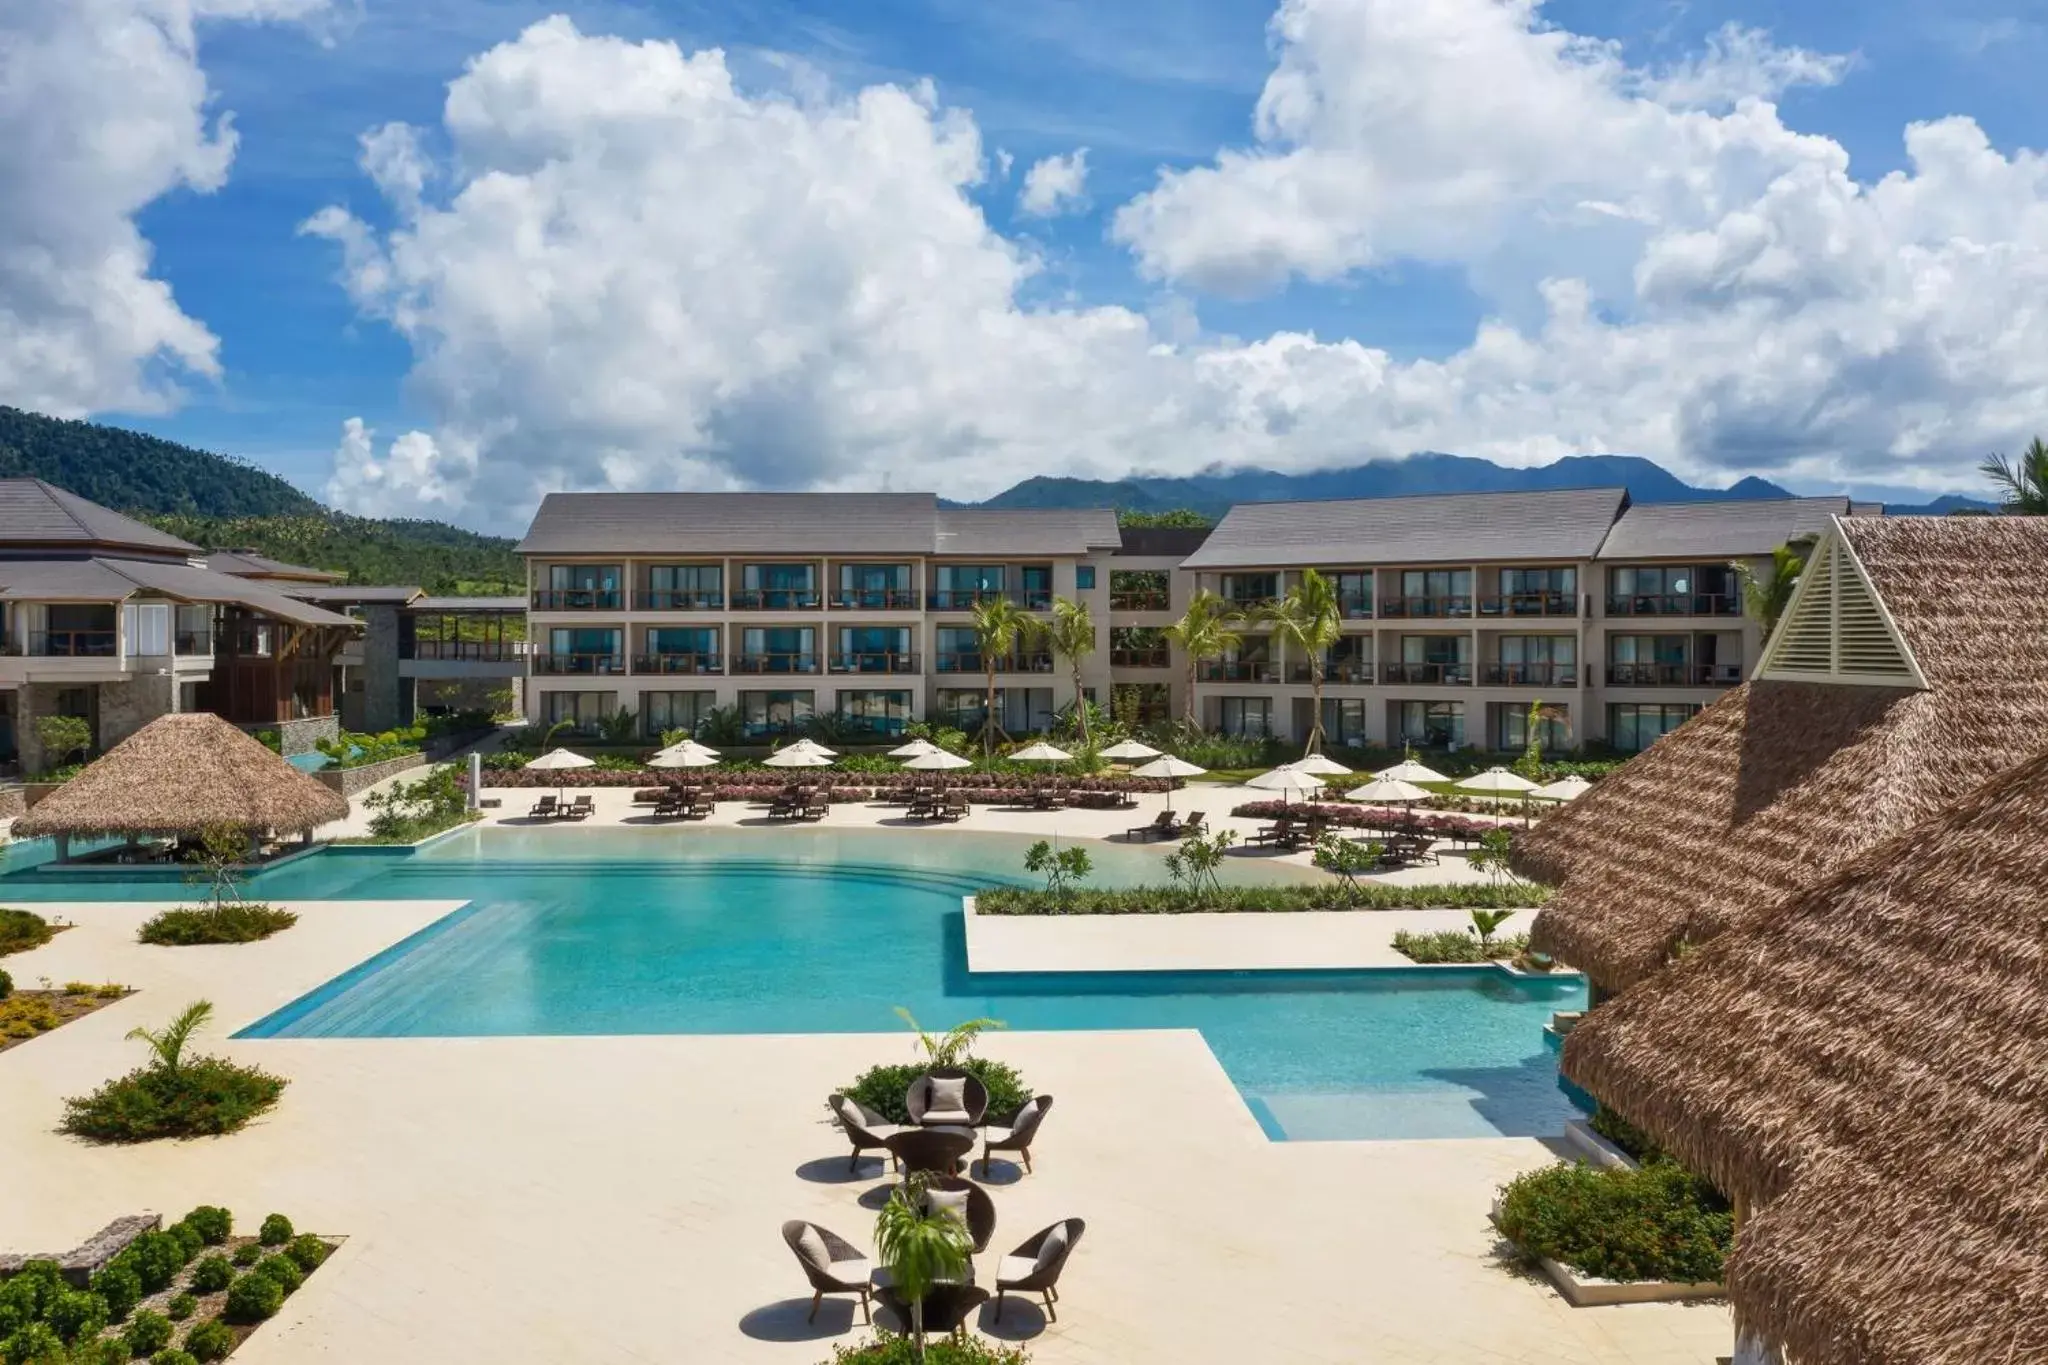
<point>203,1097</point>
<point>1457,945</point>
<point>938,1350</point>
<point>232,922</point>
<point>1659,1222</point>
<point>21,930</point>
<point>1330,895</point>
<point>884,1088</point>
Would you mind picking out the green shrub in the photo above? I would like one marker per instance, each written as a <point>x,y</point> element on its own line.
<point>307,1252</point>
<point>211,1222</point>
<point>232,922</point>
<point>276,1230</point>
<point>98,1351</point>
<point>894,1350</point>
<point>147,1334</point>
<point>157,1258</point>
<point>174,1356</point>
<point>252,1298</point>
<point>205,1096</point>
<point>27,1296</point>
<point>188,1239</point>
<point>6,985</point>
<point>883,1088</point>
<point>212,1274</point>
<point>282,1269</point>
<point>1625,1135</point>
<point>249,1253</point>
<point>180,1307</point>
<point>1660,1222</point>
<point>31,1344</point>
<point>1456,945</point>
<point>120,1285</point>
<point>77,1313</point>
<point>21,930</point>
<point>1272,899</point>
<point>210,1340</point>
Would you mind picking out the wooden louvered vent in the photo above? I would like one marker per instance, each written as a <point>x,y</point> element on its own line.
<point>1836,628</point>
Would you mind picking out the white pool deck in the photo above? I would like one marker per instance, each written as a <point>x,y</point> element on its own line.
<point>581,1199</point>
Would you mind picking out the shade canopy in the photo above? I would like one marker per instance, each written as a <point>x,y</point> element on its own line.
<point>559,760</point>
<point>1564,789</point>
<point>681,756</point>
<point>917,748</point>
<point>180,774</point>
<point>690,745</point>
<point>1041,752</point>
<point>794,757</point>
<point>1129,749</point>
<point>808,746</point>
<point>1387,791</point>
<point>938,760</point>
<point>1322,765</point>
<point>1285,779</point>
<point>1497,781</point>
<point>1166,765</point>
<point>1408,770</point>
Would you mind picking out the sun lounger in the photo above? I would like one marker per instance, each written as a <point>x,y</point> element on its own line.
<point>580,809</point>
<point>543,809</point>
<point>700,807</point>
<point>814,805</point>
<point>1161,827</point>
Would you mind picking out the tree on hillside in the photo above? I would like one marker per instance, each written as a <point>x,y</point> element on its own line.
<point>2022,484</point>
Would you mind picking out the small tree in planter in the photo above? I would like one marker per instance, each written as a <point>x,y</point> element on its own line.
<point>217,860</point>
<point>948,1049</point>
<point>1484,922</point>
<point>1496,846</point>
<point>919,1249</point>
<point>1063,867</point>
<point>1347,858</point>
<point>64,739</point>
<point>1194,863</point>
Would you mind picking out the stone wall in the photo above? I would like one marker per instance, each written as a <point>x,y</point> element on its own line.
<point>383,690</point>
<point>124,707</point>
<point>349,781</point>
<point>300,736</point>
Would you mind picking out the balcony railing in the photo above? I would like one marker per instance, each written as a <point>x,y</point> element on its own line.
<point>678,663</point>
<point>1530,675</point>
<point>1240,670</point>
<point>877,599</point>
<point>775,663</point>
<point>776,599</point>
<point>962,599</point>
<point>1411,608</point>
<point>970,662</point>
<point>578,599</point>
<point>1337,671</point>
<point>465,651</point>
<point>1141,600</point>
<point>1674,604</point>
<point>1530,604</point>
<point>193,642</point>
<point>1427,675</point>
<point>677,599</point>
<point>559,665</point>
<point>1355,607</point>
<point>874,662</point>
<point>73,644</point>
<point>1673,675</point>
<point>1161,657</point>
<point>1249,602</point>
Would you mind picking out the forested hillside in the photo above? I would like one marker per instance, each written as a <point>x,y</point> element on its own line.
<point>440,558</point>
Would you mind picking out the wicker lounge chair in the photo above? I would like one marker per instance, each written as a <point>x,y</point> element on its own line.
<point>1034,1267</point>
<point>954,807</point>
<point>671,806</point>
<point>701,806</point>
<point>815,805</point>
<point>947,1097</point>
<point>979,1211</point>
<point>864,1128</point>
<point>544,809</point>
<point>1279,832</point>
<point>1197,821</point>
<point>1023,1129</point>
<point>1162,825</point>
<point>937,1149</point>
<point>580,809</point>
<point>832,1264</point>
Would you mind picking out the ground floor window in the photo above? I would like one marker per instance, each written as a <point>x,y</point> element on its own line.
<point>1635,726</point>
<point>661,712</point>
<point>763,714</point>
<point>1344,721</point>
<point>1019,710</point>
<point>1136,705</point>
<point>881,713</point>
<point>1245,717</point>
<point>1511,728</point>
<point>585,711</point>
<point>1433,724</point>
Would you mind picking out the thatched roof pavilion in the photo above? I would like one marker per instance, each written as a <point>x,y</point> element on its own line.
<point>1867,1069</point>
<point>180,774</point>
<point>1935,678</point>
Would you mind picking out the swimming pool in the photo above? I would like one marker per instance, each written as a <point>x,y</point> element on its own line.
<point>823,931</point>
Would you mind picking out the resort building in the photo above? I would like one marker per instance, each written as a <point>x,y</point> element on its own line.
<point>418,653</point>
<point>786,606</point>
<point>111,621</point>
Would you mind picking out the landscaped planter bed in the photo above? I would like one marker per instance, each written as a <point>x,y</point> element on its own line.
<point>25,1015</point>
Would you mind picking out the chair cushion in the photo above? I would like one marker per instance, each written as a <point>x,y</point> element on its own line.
<point>948,1201</point>
<point>812,1248</point>
<point>1049,1250</point>
<point>1012,1269</point>
<point>948,1095</point>
<point>849,1113</point>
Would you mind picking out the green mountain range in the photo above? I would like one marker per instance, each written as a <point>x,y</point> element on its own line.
<point>224,504</point>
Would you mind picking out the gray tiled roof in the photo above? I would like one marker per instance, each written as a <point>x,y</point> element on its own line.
<point>807,523</point>
<point>115,580</point>
<point>461,604</point>
<point>1450,528</point>
<point>1721,530</point>
<point>251,564</point>
<point>399,594</point>
<point>33,512</point>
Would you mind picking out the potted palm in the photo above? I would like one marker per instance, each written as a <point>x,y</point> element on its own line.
<point>919,1247</point>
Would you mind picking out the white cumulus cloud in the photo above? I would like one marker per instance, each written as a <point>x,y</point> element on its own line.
<point>105,110</point>
<point>1055,185</point>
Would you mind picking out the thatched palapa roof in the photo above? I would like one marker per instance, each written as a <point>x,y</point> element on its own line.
<point>179,774</point>
<point>1780,783</point>
<point>1869,1065</point>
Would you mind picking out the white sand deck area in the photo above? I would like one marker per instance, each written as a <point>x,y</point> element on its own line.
<point>518,1200</point>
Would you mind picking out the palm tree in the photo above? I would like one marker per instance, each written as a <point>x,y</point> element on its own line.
<point>1308,619</point>
<point>1766,595</point>
<point>1207,630</point>
<point>919,1249</point>
<point>168,1042</point>
<point>1072,637</point>
<point>999,627</point>
<point>2022,484</point>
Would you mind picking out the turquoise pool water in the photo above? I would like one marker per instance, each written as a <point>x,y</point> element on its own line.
<point>813,931</point>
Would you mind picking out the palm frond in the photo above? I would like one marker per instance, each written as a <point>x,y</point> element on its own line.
<point>168,1043</point>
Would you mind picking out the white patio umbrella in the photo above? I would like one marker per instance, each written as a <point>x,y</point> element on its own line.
<point>1497,781</point>
<point>917,748</point>
<point>1564,789</point>
<point>1322,765</point>
<point>794,757</point>
<point>559,760</point>
<point>1041,752</point>
<point>1387,791</point>
<point>938,760</point>
<point>1130,749</point>
<point>806,746</point>
<point>1166,765</point>
<point>682,756</point>
<point>1286,781</point>
<point>1408,770</point>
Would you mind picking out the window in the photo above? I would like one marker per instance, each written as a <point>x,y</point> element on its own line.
<point>1344,721</point>
<point>958,650</point>
<point>1019,710</point>
<point>881,713</point>
<point>1354,591</point>
<point>1245,717</point>
<point>680,587</point>
<point>1511,729</point>
<point>148,627</point>
<point>579,650</point>
<point>583,577</point>
<point>699,641</point>
<point>1138,647</point>
<point>664,711</point>
<point>1433,724</point>
<point>1139,590</point>
<point>583,710</point>
<point>1251,587</point>
<point>1436,592</point>
<point>1517,582</point>
<point>1084,578</point>
<point>1635,726</point>
<point>1537,661</point>
<point>873,649</point>
<point>764,714</point>
<point>778,649</point>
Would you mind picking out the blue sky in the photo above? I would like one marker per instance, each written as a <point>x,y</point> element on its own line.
<point>1144,85</point>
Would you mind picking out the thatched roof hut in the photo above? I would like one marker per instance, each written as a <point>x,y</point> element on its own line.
<point>178,775</point>
<point>1867,1068</point>
<point>1912,665</point>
